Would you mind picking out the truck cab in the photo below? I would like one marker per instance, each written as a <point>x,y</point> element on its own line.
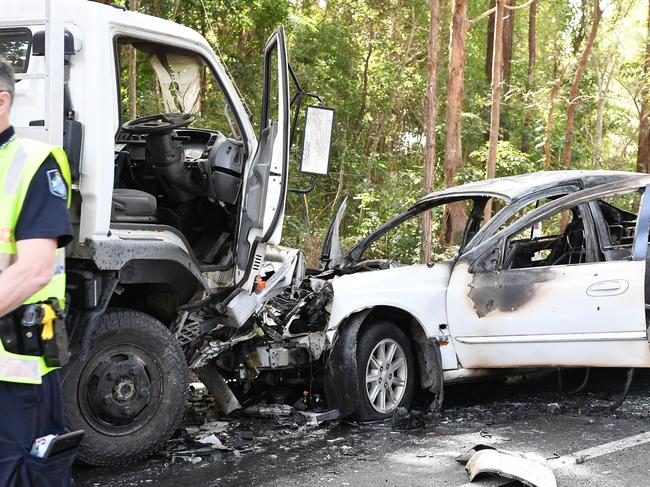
<point>175,200</point>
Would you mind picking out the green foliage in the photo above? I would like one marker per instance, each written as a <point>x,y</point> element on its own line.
<point>510,162</point>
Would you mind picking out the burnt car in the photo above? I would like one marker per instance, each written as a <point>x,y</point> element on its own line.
<point>556,277</point>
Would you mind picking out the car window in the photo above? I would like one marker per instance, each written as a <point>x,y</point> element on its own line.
<point>403,243</point>
<point>558,234</point>
<point>619,214</point>
<point>519,214</point>
<point>556,240</point>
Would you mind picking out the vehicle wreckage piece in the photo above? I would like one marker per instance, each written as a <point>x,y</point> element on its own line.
<point>526,468</point>
<point>219,390</point>
<point>342,388</point>
<point>331,255</point>
<point>318,418</point>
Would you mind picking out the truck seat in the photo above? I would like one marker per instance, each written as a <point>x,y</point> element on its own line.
<point>131,206</point>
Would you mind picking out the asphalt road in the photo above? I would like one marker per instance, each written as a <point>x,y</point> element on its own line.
<point>526,415</point>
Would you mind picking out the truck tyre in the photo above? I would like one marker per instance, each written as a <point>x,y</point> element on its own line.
<point>129,394</point>
<point>386,370</point>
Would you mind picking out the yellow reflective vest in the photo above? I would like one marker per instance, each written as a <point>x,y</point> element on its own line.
<point>20,159</point>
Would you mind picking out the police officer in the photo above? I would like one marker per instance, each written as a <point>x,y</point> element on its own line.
<point>34,228</point>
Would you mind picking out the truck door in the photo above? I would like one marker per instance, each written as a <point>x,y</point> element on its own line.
<point>546,303</point>
<point>265,180</point>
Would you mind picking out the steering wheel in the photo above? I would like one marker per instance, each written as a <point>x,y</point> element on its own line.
<point>162,123</point>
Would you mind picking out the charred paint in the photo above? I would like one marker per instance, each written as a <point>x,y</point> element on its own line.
<point>505,291</point>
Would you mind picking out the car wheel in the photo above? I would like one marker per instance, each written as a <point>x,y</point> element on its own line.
<point>386,369</point>
<point>129,394</point>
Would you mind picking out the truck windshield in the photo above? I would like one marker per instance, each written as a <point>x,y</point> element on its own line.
<point>155,78</point>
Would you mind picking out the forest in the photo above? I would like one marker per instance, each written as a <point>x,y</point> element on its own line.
<point>433,93</point>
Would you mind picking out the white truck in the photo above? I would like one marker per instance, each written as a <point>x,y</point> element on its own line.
<point>173,223</point>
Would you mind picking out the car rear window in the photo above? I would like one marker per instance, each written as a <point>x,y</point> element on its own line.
<point>15,48</point>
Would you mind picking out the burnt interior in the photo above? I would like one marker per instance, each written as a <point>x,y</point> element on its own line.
<point>567,247</point>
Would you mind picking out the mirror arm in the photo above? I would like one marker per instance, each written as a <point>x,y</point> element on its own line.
<point>300,92</point>
<point>294,124</point>
<point>308,189</point>
<point>315,96</point>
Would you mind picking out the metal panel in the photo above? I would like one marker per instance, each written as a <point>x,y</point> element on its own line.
<point>54,68</point>
<point>500,319</point>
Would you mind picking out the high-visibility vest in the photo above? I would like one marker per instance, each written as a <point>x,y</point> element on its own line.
<point>20,159</point>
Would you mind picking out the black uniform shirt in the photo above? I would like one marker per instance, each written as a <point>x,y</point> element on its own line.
<point>44,213</point>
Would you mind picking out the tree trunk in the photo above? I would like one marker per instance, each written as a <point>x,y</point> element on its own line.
<point>559,79</point>
<point>548,161</point>
<point>455,213</point>
<point>133,75</point>
<point>507,40</point>
<point>530,79</point>
<point>496,99</point>
<point>600,113</point>
<point>365,76</point>
<point>431,121</point>
<point>643,154</point>
<point>489,44</point>
<point>174,15</point>
<point>575,86</point>
<point>603,79</point>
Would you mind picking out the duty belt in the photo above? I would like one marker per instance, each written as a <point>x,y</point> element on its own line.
<point>37,330</point>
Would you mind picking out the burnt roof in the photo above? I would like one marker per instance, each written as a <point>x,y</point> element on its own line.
<point>511,188</point>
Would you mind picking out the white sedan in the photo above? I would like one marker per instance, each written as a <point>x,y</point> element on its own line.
<point>556,278</point>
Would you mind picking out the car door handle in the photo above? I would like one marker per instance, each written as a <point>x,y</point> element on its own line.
<point>612,287</point>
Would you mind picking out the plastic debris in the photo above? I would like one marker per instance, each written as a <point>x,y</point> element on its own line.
<point>269,410</point>
<point>214,442</point>
<point>528,468</point>
<point>316,418</point>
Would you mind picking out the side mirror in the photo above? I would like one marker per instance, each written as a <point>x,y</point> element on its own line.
<point>317,141</point>
<point>38,43</point>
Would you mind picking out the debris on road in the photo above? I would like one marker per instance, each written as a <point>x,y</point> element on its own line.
<point>214,442</point>
<point>318,418</point>
<point>215,426</point>
<point>269,410</point>
<point>527,468</point>
<point>403,419</point>
<point>554,408</point>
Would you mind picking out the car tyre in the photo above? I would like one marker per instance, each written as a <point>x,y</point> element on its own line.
<point>386,370</point>
<point>130,392</point>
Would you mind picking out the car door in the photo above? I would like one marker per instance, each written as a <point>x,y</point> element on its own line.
<point>573,311</point>
<point>265,179</point>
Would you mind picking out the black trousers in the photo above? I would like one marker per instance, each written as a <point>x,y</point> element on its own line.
<point>28,412</point>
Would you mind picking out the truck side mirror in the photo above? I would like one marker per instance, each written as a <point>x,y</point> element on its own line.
<point>38,43</point>
<point>317,141</point>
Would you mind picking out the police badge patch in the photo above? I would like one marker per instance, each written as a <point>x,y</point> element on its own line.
<point>57,185</point>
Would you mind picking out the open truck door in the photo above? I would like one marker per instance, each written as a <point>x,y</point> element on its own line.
<point>265,179</point>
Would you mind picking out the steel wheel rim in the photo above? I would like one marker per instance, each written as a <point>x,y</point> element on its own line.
<point>88,389</point>
<point>386,376</point>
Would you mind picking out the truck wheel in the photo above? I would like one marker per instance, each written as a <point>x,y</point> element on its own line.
<point>129,394</point>
<point>386,369</point>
